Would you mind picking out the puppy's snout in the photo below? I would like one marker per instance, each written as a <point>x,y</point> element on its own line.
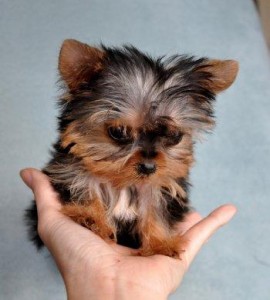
<point>146,168</point>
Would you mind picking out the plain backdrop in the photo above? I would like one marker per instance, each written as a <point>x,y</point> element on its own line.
<point>232,164</point>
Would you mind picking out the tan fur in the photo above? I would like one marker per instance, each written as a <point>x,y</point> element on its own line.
<point>157,239</point>
<point>224,73</point>
<point>92,215</point>
<point>78,62</point>
<point>174,165</point>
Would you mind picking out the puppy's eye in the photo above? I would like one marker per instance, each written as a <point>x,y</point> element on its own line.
<point>173,138</point>
<point>120,134</point>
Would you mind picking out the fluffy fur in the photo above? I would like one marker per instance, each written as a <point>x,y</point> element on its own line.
<point>127,126</point>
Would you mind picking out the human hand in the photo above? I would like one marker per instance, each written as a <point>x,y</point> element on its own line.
<point>94,269</point>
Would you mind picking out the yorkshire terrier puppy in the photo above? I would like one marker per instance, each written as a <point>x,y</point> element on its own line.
<point>127,127</point>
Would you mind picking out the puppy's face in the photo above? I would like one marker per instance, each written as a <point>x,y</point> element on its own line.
<point>132,119</point>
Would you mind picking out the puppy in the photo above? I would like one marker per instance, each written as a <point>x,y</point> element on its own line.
<point>127,126</point>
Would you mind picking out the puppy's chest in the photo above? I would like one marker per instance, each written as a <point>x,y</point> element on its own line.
<point>125,208</point>
<point>132,202</point>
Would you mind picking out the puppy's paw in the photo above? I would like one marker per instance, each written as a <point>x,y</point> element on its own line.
<point>172,247</point>
<point>104,231</point>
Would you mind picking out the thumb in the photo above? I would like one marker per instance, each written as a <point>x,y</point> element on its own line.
<point>197,235</point>
<point>39,183</point>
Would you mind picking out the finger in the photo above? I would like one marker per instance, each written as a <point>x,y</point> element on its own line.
<point>44,194</point>
<point>197,235</point>
<point>190,220</point>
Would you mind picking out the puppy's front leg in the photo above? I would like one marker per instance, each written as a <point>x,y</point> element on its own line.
<point>92,215</point>
<point>158,238</point>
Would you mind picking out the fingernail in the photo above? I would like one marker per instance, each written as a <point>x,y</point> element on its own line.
<point>26,177</point>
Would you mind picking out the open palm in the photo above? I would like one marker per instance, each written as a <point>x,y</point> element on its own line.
<point>90,266</point>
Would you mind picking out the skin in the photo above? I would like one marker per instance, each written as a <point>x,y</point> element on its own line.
<point>94,269</point>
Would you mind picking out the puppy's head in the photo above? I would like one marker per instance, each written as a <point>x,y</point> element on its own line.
<point>132,119</point>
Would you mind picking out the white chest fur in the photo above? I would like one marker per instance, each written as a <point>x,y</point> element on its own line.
<point>124,210</point>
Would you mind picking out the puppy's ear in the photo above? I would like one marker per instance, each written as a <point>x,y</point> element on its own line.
<point>78,63</point>
<point>222,74</point>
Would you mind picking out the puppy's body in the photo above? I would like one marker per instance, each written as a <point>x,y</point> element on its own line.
<point>127,127</point>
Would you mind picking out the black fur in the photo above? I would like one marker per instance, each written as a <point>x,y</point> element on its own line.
<point>126,235</point>
<point>31,220</point>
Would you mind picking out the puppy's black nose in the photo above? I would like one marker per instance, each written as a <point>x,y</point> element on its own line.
<point>147,168</point>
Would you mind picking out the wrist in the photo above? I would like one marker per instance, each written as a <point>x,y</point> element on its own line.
<point>111,288</point>
<point>135,294</point>
<point>85,288</point>
<point>134,290</point>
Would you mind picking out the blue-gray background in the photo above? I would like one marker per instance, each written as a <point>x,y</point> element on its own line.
<point>232,165</point>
